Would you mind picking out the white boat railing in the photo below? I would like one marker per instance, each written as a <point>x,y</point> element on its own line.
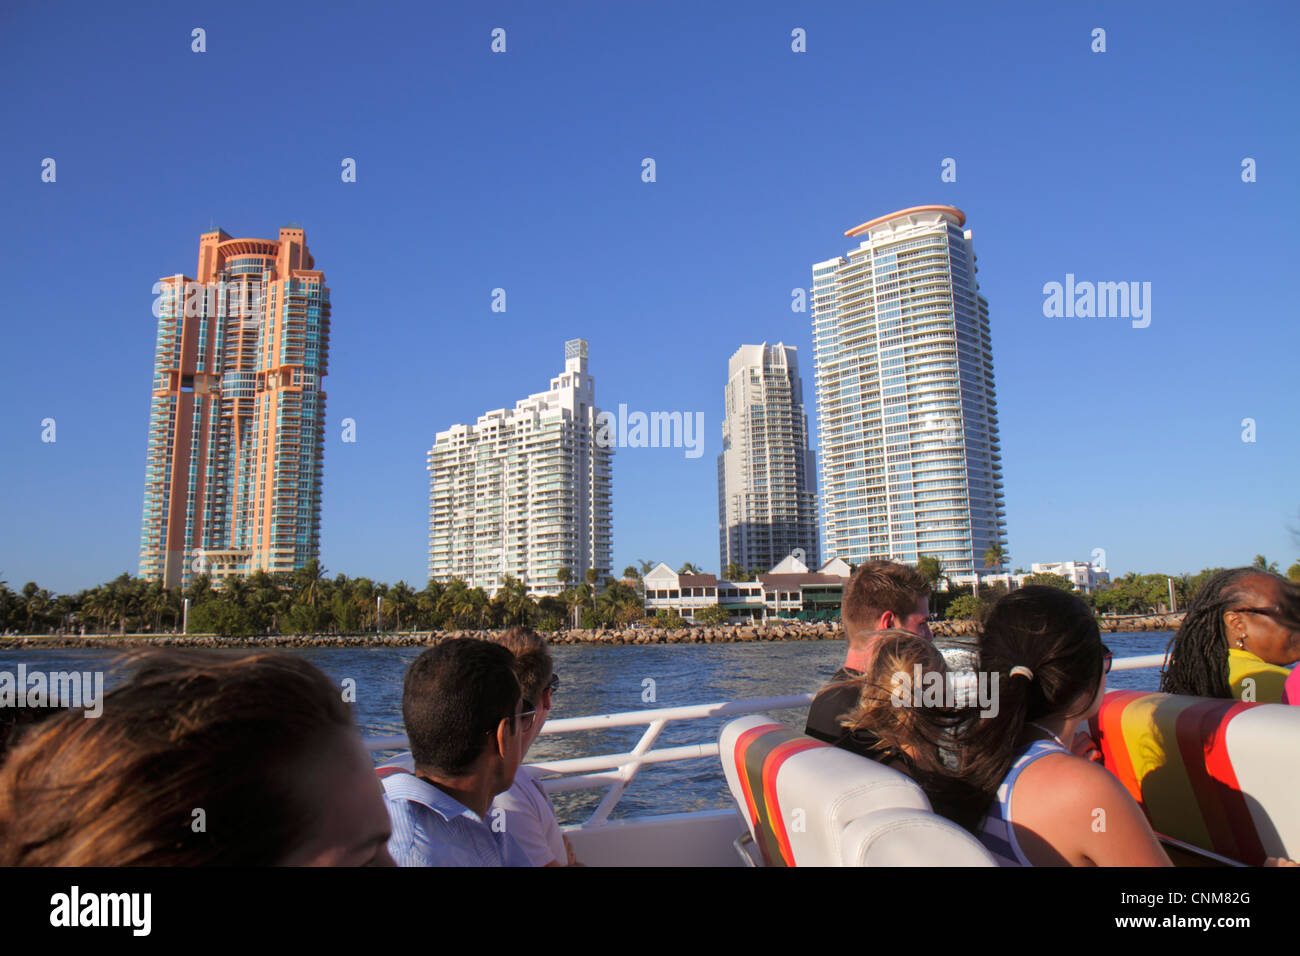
<point>616,771</point>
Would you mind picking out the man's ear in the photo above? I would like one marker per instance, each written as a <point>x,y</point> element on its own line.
<point>503,735</point>
<point>887,621</point>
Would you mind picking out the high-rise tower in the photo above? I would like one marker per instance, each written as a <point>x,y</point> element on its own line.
<point>524,492</point>
<point>767,484</point>
<point>236,428</point>
<point>910,462</point>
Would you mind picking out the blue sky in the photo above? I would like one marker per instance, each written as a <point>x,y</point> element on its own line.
<point>522,171</point>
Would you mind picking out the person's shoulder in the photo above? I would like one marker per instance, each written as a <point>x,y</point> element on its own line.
<point>1060,779</point>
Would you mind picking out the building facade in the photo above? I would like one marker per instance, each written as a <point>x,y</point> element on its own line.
<point>237,418</point>
<point>767,484</point>
<point>524,492</point>
<point>789,590</point>
<point>907,412</point>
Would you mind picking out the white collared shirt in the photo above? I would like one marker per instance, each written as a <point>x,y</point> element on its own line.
<point>431,828</point>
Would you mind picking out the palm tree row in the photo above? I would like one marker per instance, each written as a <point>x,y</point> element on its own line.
<point>307,601</point>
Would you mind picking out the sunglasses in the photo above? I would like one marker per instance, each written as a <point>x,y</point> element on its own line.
<point>526,717</point>
<point>554,683</point>
<point>1272,612</point>
<point>1106,658</point>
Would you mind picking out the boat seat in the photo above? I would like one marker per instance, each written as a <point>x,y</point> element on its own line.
<point>1218,774</point>
<point>807,803</point>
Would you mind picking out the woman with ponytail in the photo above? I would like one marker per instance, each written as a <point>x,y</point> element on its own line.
<point>1043,805</point>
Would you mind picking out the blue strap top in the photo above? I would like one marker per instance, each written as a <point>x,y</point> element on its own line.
<point>996,833</point>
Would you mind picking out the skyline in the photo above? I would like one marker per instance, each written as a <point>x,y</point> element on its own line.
<point>523,172</point>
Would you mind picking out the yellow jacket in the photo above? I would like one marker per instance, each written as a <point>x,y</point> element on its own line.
<point>1267,678</point>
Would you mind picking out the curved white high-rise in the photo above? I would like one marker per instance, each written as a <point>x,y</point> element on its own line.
<point>910,461</point>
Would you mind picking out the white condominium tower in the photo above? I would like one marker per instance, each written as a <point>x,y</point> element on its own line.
<point>908,418</point>
<point>767,485</point>
<point>524,492</point>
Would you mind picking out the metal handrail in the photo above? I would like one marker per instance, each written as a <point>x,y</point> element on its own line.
<point>617,771</point>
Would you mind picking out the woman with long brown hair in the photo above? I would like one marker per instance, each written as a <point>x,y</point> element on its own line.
<point>200,758</point>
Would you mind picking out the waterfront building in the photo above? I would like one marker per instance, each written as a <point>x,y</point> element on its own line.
<point>237,418</point>
<point>767,477</point>
<point>907,413</point>
<point>524,492</point>
<point>1084,575</point>
<point>789,590</point>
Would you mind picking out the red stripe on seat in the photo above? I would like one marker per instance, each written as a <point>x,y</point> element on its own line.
<point>1109,729</point>
<point>1218,766</point>
<point>771,768</point>
<point>738,753</point>
<point>1195,728</point>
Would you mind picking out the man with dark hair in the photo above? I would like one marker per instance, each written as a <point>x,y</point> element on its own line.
<point>466,723</point>
<point>881,595</point>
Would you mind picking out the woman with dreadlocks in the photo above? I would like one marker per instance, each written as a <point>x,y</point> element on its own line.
<point>1243,625</point>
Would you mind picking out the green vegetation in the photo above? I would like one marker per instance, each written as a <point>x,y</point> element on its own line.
<point>714,614</point>
<point>669,618</point>
<point>930,568</point>
<point>308,602</point>
<point>1051,581</point>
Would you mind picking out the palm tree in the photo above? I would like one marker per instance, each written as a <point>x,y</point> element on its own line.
<point>581,598</point>
<point>995,556</point>
<point>402,599</point>
<point>453,600</point>
<point>512,601</point>
<point>1264,564</point>
<point>689,568</point>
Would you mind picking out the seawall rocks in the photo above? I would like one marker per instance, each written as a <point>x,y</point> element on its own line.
<point>723,634</point>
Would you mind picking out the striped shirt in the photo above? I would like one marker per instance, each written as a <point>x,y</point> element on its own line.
<point>997,834</point>
<point>431,828</point>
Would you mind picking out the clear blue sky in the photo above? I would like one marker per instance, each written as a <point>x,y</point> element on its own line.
<point>523,171</point>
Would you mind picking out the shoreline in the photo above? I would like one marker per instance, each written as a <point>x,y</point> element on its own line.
<point>724,634</point>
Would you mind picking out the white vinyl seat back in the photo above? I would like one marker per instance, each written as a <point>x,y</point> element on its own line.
<point>801,799</point>
<point>904,837</point>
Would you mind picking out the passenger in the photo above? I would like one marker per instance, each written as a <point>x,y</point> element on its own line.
<point>1243,624</point>
<point>468,727</point>
<point>1043,647</point>
<point>199,758</point>
<point>898,723</point>
<point>880,596</point>
<point>884,725</point>
<point>529,816</point>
